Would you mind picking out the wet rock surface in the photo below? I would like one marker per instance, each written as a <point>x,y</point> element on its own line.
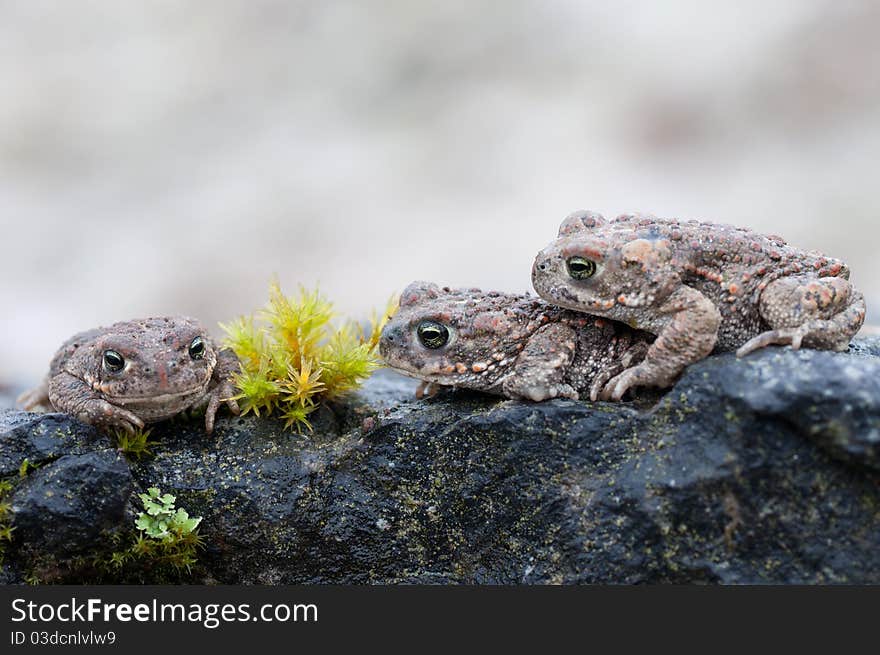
<point>757,470</point>
<point>71,503</point>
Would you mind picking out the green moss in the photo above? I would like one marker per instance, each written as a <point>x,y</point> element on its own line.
<point>6,527</point>
<point>26,467</point>
<point>293,356</point>
<point>134,446</point>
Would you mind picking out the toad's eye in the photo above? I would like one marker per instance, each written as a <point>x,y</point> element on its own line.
<point>197,348</point>
<point>432,335</point>
<point>113,361</point>
<point>580,268</point>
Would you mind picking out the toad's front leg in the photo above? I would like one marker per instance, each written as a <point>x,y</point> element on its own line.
<point>688,337</point>
<point>222,389</point>
<point>73,396</point>
<point>539,371</point>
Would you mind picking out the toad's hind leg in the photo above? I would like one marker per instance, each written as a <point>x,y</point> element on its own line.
<point>823,313</point>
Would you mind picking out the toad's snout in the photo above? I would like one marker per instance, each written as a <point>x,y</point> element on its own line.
<point>392,335</point>
<point>541,266</point>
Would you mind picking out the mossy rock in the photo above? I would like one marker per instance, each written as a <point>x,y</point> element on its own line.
<point>747,471</point>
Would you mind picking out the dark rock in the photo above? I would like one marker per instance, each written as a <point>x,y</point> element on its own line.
<point>832,399</point>
<point>68,506</point>
<point>756,470</point>
<point>42,438</point>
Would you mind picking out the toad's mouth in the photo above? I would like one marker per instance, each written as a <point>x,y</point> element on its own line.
<point>408,372</point>
<point>443,379</point>
<point>155,399</point>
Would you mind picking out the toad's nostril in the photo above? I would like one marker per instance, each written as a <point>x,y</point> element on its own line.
<point>390,336</point>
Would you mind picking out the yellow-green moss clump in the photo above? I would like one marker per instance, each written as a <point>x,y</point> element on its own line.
<point>293,356</point>
<point>135,445</point>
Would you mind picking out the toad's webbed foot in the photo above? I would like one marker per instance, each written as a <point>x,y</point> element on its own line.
<point>793,337</point>
<point>641,375</point>
<point>223,389</point>
<point>223,393</point>
<point>427,390</point>
<point>100,413</point>
<point>70,394</point>
<point>540,392</point>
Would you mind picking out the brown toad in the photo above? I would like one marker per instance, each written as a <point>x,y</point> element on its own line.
<point>137,372</point>
<point>513,345</point>
<point>699,287</point>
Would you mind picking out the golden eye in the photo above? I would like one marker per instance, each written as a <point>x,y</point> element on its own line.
<point>432,335</point>
<point>113,361</point>
<point>580,268</point>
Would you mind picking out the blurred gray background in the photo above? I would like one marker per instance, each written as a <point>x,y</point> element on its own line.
<point>170,157</point>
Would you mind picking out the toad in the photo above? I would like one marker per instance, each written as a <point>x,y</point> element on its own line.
<point>138,372</point>
<point>699,287</point>
<point>512,345</point>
